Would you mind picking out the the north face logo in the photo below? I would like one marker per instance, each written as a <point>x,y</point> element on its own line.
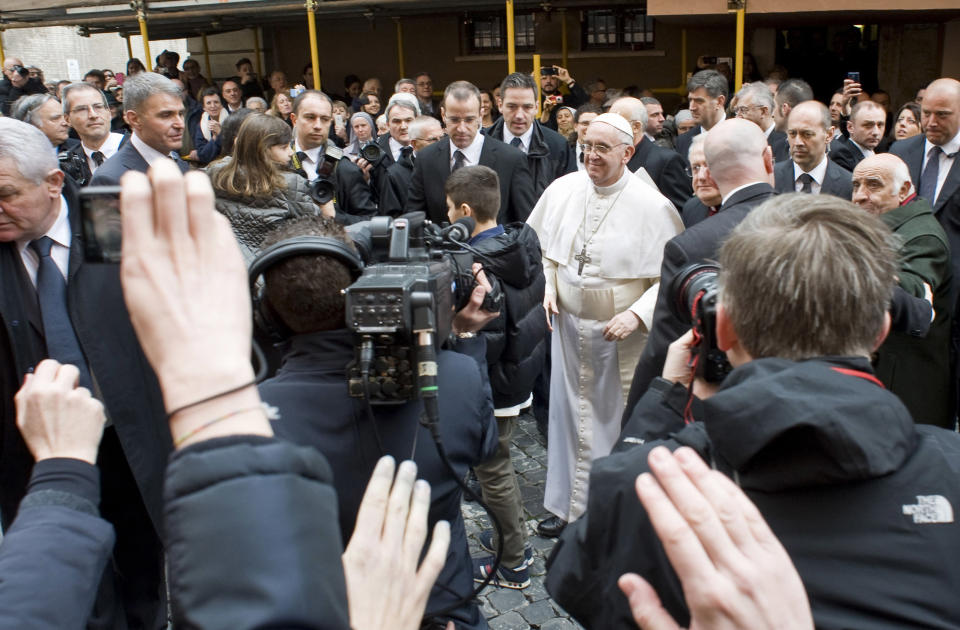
<point>930,509</point>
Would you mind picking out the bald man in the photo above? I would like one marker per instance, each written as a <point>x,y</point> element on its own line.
<point>665,167</point>
<point>741,163</point>
<point>809,170</point>
<point>16,83</point>
<point>931,158</point>
<point>917,369</point>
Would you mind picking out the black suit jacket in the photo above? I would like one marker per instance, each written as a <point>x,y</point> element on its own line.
<point>780,145</point>
<point>694,212</point>
<point>699,243</point>
<point>684,140</point>
<point>430,174</point>
<point>393,190</point>
<point>845,153</point>
<point>947,205</point>
<point>836,181</point>
<point>127,158</point>
<point>666,168</point>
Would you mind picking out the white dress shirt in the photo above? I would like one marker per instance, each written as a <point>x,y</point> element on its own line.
<point>471,153</point>
<point>817,173</point>
<point>866,152</point>
<point>60,234</point>
<point>312,160</point>
<point>148,153</point>
<point>524,139</point>
<point>946,161</point>
<point>108,148</point>
<point>395,148</point>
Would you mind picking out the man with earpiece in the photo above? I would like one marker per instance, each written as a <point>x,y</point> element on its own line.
<point>302,300</point>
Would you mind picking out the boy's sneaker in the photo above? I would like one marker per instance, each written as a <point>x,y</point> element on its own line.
<point>486,543</point>
<point>517,578</point>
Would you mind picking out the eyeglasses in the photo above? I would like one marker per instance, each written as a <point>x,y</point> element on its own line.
<point>94,110</point>
<point>600,149</point>
<point>743,109</point>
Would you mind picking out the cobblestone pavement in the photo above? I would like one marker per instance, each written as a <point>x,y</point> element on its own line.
<point>508,609</point>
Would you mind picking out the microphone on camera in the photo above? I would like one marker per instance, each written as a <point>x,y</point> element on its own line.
<point>462,230</point>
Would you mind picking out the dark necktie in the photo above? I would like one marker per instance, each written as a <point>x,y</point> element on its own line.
<point>98,157</point>
<point>459,159</point>
<point>406,157</point>
<point>928,180</point>
<point>517,142</point>
<point>61,340</point>
<point>807,180</point>
<point>302,157</point>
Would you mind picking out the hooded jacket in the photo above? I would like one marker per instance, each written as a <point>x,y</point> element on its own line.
<point>861,498</point>
<point>517,340</point>
<point>549,156</point>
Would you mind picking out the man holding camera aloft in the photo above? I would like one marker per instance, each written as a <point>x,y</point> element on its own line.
<point>602,233</point>
<point>551,98</point>
<point>16,83</point>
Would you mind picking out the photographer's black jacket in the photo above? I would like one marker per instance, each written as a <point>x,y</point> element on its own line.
<point>310,391</point>
<point>517,340</point>
<point>9,94</point>
<point>863,500</point>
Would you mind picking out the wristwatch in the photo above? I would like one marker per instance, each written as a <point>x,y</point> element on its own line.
<point>466,335</point>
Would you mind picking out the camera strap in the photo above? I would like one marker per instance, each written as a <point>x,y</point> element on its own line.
<point>694,357</point>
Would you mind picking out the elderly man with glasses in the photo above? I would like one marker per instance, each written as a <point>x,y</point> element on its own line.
<point>602,233</point>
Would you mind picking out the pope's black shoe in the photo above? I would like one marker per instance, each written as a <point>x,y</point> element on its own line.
<point>551,527</point>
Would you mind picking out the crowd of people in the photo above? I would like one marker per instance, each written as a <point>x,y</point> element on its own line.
<point>734,324</point>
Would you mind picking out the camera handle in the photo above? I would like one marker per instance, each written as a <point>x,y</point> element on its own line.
<point>425,328</point>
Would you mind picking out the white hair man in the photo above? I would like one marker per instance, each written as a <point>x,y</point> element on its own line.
<point>756,104</point>
<point>602,232</point>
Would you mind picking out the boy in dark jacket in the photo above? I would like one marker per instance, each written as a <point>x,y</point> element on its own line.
<point>516,344</point>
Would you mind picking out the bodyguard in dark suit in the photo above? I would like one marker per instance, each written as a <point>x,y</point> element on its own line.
<point>665,167</point>
<point>56,305</point>
<point>931,158</point>
<point>741,165</point>
<point>915,368</point>
<point>154,110</point>
<point>402,109</point>
<point>809,170</point>
<point>707,94</point>
<point>549,155</point>
<point>423,131</point>
<point>468,147</point>
<point>866,128</point>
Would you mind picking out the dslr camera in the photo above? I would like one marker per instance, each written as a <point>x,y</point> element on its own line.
<point>23,72</point>
<point>693,299</point>
<point>416,278</point>
<point>323,188</point>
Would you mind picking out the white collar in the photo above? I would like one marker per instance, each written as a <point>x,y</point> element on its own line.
<point>395,147</point>
<point>818,172</point>
<point>472,152</point>
<point>734,191</point>
<point>148,153</point>
<point>524,139</point>
<point>723,117</point>
<point>949,148</point>
<point>770,130</point>
<point>864,150</point>
<point>312,154</point>
<point>109,146</point>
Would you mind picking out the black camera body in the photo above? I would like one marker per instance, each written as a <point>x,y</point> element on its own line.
<point>73,165</point>
<point>693,299</point>
<point>415,280</point>
<point>323,188</point>
<point>23,72</point>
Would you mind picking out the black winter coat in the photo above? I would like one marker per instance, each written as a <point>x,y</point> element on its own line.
<point>9,94</point>
<point>862,499</point>
<point>517,340</point>
<point>550,155</point>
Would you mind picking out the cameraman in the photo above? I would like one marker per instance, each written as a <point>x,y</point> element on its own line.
<point>312,117</point>
<point>16,83</point>
<point>860,496</point>
<point>304,292</point>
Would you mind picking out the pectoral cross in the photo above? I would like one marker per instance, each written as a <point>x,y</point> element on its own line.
<point>583,259</point>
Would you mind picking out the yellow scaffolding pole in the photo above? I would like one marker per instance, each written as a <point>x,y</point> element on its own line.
<point>511,45</point>
<point>256,50</point>
<point>142,19</point>
<point>1,48</point>
<point>738,61</point>
<point>206,57</point>
<point>129,47</point>
<point>536,79</point>
<point>563,35</point>
<point>314,55</point>
<point>400,64</point>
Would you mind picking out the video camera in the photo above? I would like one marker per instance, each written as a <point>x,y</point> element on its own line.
<point>401,308</point>
<point>693,299</point>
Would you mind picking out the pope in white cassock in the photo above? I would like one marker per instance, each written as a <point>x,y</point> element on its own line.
<point>602,233</point>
